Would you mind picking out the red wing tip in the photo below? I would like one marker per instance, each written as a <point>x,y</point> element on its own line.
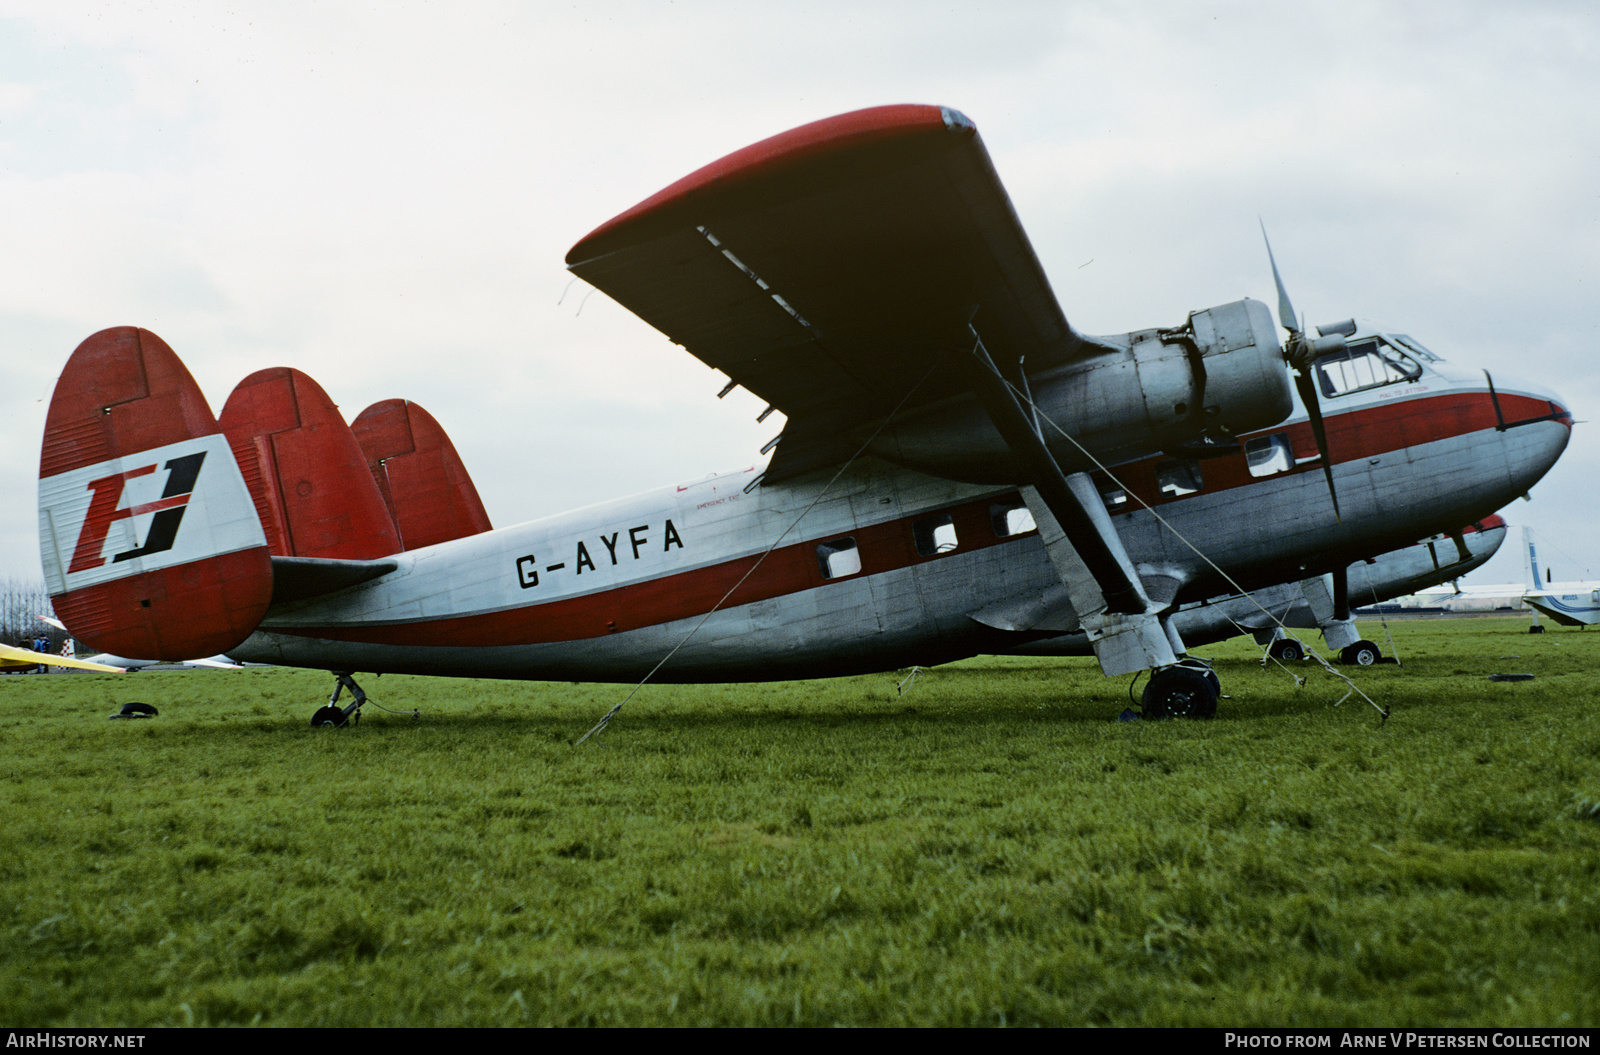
<point>1489,523</point>
<point>837,135</point>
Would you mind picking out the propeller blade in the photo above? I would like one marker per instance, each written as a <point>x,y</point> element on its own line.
<point>1301,353</point>
<point>1286,314</point>
<point>1308,395</point>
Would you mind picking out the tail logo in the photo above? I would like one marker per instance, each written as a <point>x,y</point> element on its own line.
<point>142,512</point>
<point>182,472</point>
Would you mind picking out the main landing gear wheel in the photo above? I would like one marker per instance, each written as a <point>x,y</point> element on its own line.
<point>1360,654</point>
<point>1180,692</point>
<point>1287,649</point>
<point>329,718</point>
<point>334,717</point>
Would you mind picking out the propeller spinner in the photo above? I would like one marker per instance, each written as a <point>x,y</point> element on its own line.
<point>1302,353</point>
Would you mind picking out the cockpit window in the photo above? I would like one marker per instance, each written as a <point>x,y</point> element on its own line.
<point>1365,364</point>
<point>1411,344</point>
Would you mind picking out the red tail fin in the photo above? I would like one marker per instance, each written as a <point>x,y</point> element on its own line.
<point>305,470</point>
<point>151,546</point>
<point>429,494</point>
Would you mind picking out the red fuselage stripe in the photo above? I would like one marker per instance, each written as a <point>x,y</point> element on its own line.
<point>1352,436</point>
<point>786,570</point>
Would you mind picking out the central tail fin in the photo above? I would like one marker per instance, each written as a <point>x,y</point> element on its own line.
<point>149,538</point>
<point>306,470</point>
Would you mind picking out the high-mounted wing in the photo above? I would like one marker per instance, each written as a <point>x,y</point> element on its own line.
<point>832,268</point>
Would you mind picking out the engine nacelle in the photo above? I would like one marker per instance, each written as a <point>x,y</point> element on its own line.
<point>1221,374</point>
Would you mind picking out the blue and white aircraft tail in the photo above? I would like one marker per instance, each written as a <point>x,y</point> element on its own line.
<point>1568,603</point>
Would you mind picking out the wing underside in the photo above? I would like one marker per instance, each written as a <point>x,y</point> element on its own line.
<point>832,269</point>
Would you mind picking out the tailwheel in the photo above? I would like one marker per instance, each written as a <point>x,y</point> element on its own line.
<point>329,718</point>
<point>1360,654</point>
<point>334,717</point>
<point>1181,692</point>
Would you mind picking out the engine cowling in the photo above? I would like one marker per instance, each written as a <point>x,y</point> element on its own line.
<point>1222,373</point>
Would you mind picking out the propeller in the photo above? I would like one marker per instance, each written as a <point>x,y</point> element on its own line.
<point>1302,352</point>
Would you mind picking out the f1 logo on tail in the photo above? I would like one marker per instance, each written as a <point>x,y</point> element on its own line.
<point>182,472</point>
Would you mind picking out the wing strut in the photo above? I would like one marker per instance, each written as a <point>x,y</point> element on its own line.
<point>1102,586</point>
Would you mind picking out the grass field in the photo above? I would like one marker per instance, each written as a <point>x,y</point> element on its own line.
<point>990,848</point>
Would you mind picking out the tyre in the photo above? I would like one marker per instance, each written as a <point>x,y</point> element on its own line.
<point>1361,654</point>
<point>327,717</point>
<point>1288,650</point>
<point>1179,692</point>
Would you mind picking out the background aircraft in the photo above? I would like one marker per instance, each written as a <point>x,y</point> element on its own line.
<point>959,465</point>
<point>107,661</point>
<point>1568,603</point>
<point>13,658</point>
<point>1267,613</point>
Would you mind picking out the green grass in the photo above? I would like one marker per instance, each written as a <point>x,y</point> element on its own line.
<point>990,848</point>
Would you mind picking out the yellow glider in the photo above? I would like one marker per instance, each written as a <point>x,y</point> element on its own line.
<point>12,657</point>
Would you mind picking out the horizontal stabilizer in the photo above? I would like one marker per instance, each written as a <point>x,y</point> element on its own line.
<point>305,470</point>
<point>427,490</point>
<point>150,541</point>
<point>301,578</point>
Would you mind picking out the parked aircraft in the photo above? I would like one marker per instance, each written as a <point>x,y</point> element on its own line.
<point>13,659</point>
<point>1267,613</point>
<point>1457,599</point>
<point>127,663</point>
<point>961,471</point>
<point>106,661</point>
<point>1568,603</point>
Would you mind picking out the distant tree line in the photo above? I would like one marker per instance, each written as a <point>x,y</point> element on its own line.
<point>22,602</point>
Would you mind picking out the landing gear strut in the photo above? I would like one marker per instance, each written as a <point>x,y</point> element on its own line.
<point>1181,691</point>
<point>331,717</point>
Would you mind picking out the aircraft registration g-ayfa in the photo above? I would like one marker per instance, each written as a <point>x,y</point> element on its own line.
<point>961,471</point>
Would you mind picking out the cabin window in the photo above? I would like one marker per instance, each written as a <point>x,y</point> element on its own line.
<point>1363,365</point>
<point>1178,477</point>
<point>1268,455</point>
<point>838,558</point>
<point>1113,496</point>
<point>934,535</point>
<point>1011,518</point>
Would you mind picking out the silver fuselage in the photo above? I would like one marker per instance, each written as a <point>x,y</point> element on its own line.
<point>729,579</point>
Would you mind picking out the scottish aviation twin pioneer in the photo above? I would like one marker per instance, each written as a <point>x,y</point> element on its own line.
<point>961,471</point>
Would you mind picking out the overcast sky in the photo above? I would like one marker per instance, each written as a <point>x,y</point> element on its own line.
<point>382,195</point>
